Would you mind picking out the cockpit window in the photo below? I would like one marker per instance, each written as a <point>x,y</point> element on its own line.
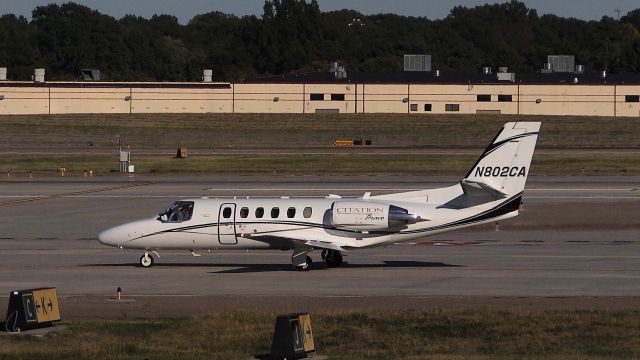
<point>179,211</point>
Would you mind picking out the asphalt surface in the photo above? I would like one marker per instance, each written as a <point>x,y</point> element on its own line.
<point>575,237</point>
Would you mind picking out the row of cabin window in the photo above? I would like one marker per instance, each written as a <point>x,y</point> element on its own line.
<point>275,212</point>
<point>320,97</point>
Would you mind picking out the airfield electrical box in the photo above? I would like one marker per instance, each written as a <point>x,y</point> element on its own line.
<point>32,309</point>
<point>292,337</point>
<point>181,153</point>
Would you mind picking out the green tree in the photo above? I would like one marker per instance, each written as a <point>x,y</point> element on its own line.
<point>18,50</point>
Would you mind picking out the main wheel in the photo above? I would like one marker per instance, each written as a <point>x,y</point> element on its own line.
<point>306,266</point>
<point>146,260</point>
<point>333,258</point>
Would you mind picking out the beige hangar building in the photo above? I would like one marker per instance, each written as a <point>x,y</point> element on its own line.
<point>565,94</point>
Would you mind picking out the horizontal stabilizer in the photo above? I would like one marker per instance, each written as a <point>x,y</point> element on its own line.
<point>475,188</point>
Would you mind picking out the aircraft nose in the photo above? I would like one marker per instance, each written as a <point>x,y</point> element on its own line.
<point>111,237</point>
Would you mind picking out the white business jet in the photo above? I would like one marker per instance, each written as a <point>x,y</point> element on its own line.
<point>491,191</point>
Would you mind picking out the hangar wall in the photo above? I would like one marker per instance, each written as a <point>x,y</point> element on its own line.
<point>524,99</point>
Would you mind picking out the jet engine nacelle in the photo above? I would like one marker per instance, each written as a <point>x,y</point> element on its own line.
<point>369,216</point>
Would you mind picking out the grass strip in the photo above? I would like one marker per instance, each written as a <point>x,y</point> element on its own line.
<point>411,334</point>
<point>302,130</point>
<point>433,164</point>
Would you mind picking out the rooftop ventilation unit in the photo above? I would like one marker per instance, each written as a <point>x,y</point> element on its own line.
<point>38,75</point>
<point>207,75</point>
<point>90,74</point>
<point>339,72</point>
<point>559,64</point>
<point>417,62</point>
<point>3,73</point>
<point>506,76</point>
<point>486,70</point>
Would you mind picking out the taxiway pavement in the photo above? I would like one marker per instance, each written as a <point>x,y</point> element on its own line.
<point>575,237</point>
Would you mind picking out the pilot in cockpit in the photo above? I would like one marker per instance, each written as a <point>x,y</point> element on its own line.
<point>177,212</point>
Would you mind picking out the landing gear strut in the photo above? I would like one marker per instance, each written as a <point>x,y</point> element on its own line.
<point>301,260</point>
<point>146,260</point>
<point>332,258</point>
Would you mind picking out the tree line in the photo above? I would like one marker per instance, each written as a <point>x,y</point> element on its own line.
<point>294,36</point>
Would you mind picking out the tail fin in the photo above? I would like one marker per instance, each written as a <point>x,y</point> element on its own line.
<point>503,168</point>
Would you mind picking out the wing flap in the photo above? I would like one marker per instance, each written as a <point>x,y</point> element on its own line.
<point>301,237</point>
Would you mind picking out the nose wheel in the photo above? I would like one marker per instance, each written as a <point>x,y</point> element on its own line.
<point>146,260</point>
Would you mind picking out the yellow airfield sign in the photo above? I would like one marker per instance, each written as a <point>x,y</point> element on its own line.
<point>46,305</point>
<point>33,308</point>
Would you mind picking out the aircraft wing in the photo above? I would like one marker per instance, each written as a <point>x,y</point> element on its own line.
<point>303,237</point>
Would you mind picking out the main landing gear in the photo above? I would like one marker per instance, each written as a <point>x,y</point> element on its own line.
<point>303,262</point>
<point>146,260</point>
<point>332,258</point>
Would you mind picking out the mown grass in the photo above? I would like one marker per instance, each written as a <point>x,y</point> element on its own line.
<point>168,131</point>
<point>446,164</point>
<point>433,334</point>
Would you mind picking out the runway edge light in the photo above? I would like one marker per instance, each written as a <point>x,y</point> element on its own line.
<point>292,337</point>
<point>32,309</point>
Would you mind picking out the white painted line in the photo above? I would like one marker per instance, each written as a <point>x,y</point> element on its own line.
<point>284,188</point>
<point>22,196</point>
<point>244,196</point>
<point>581,197</point>
<point>581,189</point>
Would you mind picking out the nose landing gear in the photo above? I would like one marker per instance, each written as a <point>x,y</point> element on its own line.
<point>146,260</point>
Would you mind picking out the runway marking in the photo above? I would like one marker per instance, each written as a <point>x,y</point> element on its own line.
<point>316,189</point>
<point>75,193</point>
<point>581,189</point>
<point>25,198</point>
<point>88,193</point>
<point>581,197</point>
<point>445,243</point>
<point>405,189</point>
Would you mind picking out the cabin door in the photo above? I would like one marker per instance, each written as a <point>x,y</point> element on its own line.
<point>227,224</point>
